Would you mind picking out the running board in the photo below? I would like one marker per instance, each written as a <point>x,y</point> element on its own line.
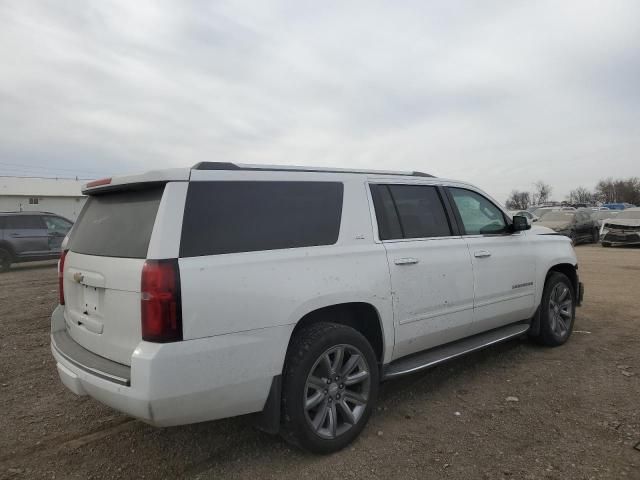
<point>434,356</point>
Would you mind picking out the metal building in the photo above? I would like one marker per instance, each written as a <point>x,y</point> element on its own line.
<point>56,195</point>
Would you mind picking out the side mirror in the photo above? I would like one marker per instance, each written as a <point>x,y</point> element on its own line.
<point>520,222</point>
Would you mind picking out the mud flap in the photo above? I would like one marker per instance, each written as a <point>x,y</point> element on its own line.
<point>268,420</point>
<point>580,293</point>
<point>534,329</point>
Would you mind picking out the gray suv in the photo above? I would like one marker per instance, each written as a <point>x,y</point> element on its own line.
<point>30,236</point>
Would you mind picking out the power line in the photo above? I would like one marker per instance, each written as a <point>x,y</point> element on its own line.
<point>40,167</point>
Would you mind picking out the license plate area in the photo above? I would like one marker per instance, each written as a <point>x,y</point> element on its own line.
<point>91,301</point>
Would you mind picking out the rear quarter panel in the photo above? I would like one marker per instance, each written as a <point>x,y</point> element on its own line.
<point>239,292</point>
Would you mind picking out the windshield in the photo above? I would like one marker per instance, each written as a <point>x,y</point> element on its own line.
<point>559,216</point>
<point>635,214</point>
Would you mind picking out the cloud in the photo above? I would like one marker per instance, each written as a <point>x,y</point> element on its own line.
<point>498,93</point>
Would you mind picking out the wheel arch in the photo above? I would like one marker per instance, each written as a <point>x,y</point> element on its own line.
<point>571,271</point>
<point>4,245</point>
<point>568,269</point>
<point>361,316</point>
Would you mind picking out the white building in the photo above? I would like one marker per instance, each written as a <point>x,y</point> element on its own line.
<point>60,196</point>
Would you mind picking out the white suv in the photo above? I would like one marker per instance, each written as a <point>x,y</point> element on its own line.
<point>189,295</point>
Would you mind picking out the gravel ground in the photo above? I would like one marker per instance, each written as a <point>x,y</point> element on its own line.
<point>576,416</point>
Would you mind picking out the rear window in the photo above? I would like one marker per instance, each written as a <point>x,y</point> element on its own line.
<point>231,217</point>
<point>117,224</point>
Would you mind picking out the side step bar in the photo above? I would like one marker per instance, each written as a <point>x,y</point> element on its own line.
<point>434,356</point>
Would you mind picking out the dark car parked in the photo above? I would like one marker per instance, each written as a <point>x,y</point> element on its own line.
<point>575,224</point>
<point>30,236</point>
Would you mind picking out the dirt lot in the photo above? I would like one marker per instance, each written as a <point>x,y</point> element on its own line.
<point>577,414</point>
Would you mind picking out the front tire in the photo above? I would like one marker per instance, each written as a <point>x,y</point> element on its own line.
<point>5,260</point>
<point>557,310</point>
<point>330,386</point>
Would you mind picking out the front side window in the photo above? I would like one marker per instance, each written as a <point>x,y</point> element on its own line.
<point>57,225</point>
<point>248,216</point>
<point>409,211</point>
<point>479,215</point>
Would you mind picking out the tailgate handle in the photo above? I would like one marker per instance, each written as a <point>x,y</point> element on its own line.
<point>482,254</point>
<point>90,279</point>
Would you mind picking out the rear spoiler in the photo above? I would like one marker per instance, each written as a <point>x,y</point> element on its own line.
<point>136,181</point>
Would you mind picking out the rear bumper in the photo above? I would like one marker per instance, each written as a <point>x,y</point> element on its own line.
<point>177,383</point>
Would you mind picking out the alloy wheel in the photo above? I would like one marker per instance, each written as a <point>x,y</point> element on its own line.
<point>337,391</point>
<point>560,309</point>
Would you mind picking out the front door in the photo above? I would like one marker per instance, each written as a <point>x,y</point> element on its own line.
<point>503,262</point>
<point>430,267</point>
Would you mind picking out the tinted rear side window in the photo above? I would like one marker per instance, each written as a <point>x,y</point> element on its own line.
<point>386,213</point>
<point>231,217</point>
<point>409,211</point>
<point>117,224</point>
<point>24,222</point>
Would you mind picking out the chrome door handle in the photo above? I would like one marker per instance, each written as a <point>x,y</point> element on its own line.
<point>482,254</point>
<point>406,261</point>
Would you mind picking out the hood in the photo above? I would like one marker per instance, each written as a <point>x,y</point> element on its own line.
<point>538,229</point>
<point>555,224</point>
<point>621,222</point>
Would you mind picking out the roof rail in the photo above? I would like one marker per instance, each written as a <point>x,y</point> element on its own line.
<point>283,168</point>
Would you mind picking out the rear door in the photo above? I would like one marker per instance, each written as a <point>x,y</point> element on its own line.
<point>503,262</point>
<point>107,249</point>
<point>429,264</point>
<point>27,235</point>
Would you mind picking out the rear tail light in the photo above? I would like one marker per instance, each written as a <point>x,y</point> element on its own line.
<point>160,301</point>
<point>63,255</point>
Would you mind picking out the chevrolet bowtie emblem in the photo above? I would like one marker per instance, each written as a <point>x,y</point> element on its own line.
<point>78,277</point>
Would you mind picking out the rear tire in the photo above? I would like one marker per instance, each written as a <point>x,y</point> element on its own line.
<point>557,310</point>
<point>5,260</point>
<point>330,385</point>
<point>595,236</point>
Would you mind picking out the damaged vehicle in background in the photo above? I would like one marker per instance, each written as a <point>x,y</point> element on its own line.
<point>577,225</point>
<point>601,216</point>
<point>624,229</point>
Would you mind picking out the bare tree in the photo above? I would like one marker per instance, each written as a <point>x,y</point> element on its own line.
<point>541,193</point>
<point>518,200</point>
<point>580,195</point>
<point>620,190</point>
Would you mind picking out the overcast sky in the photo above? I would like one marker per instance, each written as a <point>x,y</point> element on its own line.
<point>497,93</point>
